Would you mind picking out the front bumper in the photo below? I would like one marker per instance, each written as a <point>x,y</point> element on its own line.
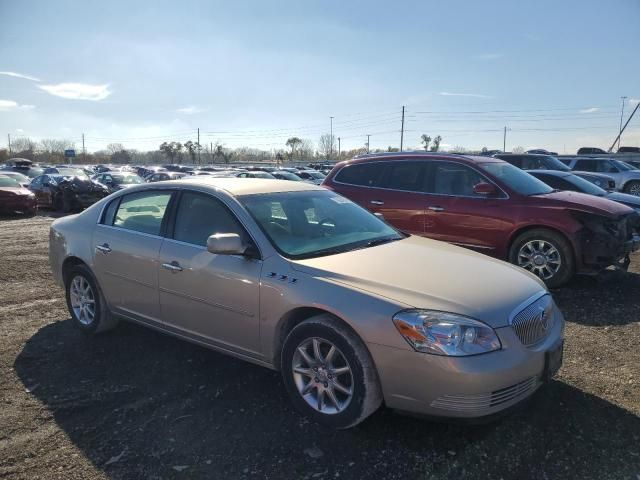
<point>22,204</point>
<point>465,387</point>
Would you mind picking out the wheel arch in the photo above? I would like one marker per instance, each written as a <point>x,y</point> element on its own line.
<point>293,318</point>
<point>69,263</point>
<point>528,228</point>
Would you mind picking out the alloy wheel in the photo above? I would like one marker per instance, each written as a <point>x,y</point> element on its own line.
<point>322,375</point>
<point>541,258</point>
<point>634,189</point>
<point>83,300</point>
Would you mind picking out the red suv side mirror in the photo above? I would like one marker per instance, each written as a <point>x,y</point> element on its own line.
<point>486,189</point>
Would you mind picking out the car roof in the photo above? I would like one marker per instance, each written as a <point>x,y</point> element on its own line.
<point>425,155</point>
<point>243,186</point>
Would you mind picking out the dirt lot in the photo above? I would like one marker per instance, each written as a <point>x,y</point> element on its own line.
<point>137,404</point>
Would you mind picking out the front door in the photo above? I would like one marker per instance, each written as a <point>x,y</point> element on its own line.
<point>214,297</point>
<point>455,214</point>
<point>126,245</point>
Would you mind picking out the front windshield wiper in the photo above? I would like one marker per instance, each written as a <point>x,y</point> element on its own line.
<point>379,241</point>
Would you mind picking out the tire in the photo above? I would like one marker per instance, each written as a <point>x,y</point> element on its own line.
<point>57,202</point>
<point>361,380</point>
<point>101,320</point>
<point>632,188</point>
<point>527,241</point>
<point>67,204</point>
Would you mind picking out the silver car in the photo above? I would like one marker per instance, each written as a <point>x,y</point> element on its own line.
<point>296,278</point>
<point>626,176</point>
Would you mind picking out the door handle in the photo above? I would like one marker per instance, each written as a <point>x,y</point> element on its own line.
<point>173,266</point>
<point>435,208</point>
<point>376,202</point>
<point>104,248</point>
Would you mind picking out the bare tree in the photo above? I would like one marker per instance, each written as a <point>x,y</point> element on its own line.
<point>293,143</point>
<point>327,145</point>
<point>115,148</point>
<point>23,147</point>
<point>517,149</point>
<point>52,145</point>
<point>171,149</point>
<point>191,149</point>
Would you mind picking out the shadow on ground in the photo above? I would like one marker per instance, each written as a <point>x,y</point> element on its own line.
<point>141,404</point>
<point>610,298</point>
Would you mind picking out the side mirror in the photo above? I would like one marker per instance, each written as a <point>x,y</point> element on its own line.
<point>225,244</point>
<point>485,189</point>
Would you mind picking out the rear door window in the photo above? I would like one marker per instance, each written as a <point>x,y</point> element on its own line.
<point>142,212</point>
<point>361,174</point>
<point>586,165</point>
<point>406,176</point>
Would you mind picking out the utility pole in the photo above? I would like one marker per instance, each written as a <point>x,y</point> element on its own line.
<point>402,130</point>
<point>84,155</point>
<point>211,150</point>
<point>504,140</point>
<point>625,126</point>
<point>339,149</point>
<point>199,161</point>
<point>368,137</point>
<point>331,138</point>
<point>9,137</point>
<point>621,115</point>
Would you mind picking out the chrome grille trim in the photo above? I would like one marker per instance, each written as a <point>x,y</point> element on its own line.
<point>533,323</point>
<point>478,403</point>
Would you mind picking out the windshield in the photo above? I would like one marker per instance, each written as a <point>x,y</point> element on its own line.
<point>127,179</point>
<point>257,174</point>
<point>315,223</point>
<point>624,166</point>
<point>554,164</point>
<point>517,180</point>
<point>288,175</point>
<point>34,172</point>
<point>16,176</point>
<point>585,186</point>
<point>8,182</point>
<point>76,172</point>
<point>316,175</point>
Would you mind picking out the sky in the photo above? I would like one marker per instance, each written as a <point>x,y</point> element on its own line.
<point>254,73</point>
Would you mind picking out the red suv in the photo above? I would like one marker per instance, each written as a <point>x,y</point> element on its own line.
<point>491,206</point>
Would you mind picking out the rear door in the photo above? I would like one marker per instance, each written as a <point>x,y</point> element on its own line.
<point>127,244</point>
<point>208,295</point>
<point>455,214</point>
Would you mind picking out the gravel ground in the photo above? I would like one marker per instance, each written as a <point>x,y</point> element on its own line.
<point>137,404</point>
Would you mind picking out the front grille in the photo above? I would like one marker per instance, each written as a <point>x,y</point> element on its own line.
<point>534,322</point>
<point>478,403</point>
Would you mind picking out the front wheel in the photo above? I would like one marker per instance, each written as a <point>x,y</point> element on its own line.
<point>544,253</point>
<point>329,373</point>
<point>632,188</point>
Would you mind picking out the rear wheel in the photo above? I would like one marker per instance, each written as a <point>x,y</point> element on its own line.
<point>632,188</point>
<point>86,303</point>
<point>545,253</point>
<point>329,373</point>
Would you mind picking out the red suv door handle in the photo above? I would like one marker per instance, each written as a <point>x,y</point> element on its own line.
<point>376,202</point>
<point>435,208</point>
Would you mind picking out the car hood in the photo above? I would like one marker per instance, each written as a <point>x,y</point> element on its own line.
<point>586,203</point>
<point>630,200</point>
<point>15,190</point>
<point>423,273</point>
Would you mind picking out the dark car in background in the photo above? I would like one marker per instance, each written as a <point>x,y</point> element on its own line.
<point>23,166</point>
<point>549,162</point>
<point>312,176</point>
<point>164,176</point>
<point>569,182</point>
<point>15,198</point>
<point>21,178</point>
<point>285,175</point>
<point>66,171</point>
<point>591,151</point>
<point>115,181</point>
<point>489,205</point>
<point>66,193</point>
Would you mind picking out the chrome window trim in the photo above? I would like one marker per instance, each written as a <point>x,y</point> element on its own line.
<point>479,172</point>
<point>131,231</point>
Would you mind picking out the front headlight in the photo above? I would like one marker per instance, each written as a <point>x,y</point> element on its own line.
<point>443,333</point>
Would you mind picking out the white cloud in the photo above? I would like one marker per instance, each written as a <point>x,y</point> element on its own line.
<point>8,105</point>
<point>474,95</point>
<point>190,110</point>
<point>78,91</point>
<point>489,56</point>
<point>20,75</point>
<point>590,110</point>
